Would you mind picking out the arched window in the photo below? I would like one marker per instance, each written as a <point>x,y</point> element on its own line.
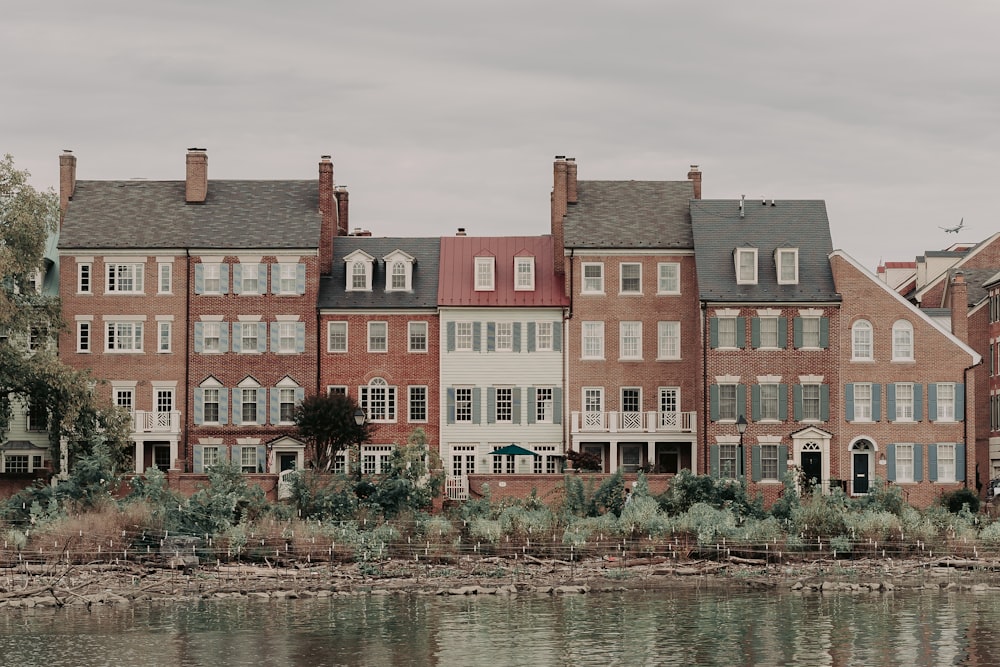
<point>398,275</point>
<point>378,400</point>
<point>359,276</point>
<point>902,341</point>
<point>861,341</point>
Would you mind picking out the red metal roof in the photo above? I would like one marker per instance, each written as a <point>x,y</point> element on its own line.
<point>457,279</point>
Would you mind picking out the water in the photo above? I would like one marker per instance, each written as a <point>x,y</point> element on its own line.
<point>681,627</point>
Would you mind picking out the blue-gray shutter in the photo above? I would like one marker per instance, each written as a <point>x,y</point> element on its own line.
<point>755,402</point>
<point>713,333</point>
<point>959,402</point>
<point>755,472</point>
<point>918,463</point>
<point>755,332</point>
<point>741,401</point>
<point>557,405</point>
<point>890,403</point>
<point>275,278</point>
<point>516,336</point>
<point>932,472</point>
<point>959,462</point>
<point>932,402</point>
<point>849,402</point>
<point>531,336</point>
<point>516,404</point>
<point>531,404</point>
<point>199,458</point>
<point>199,278</point>
<point>557,336</point>
<point>224,279</point>
<point>450,336</point>
<point>223,406</point>
<point>797,332</point>
<point>199,337</point>
<point>824,402</point>
<point>275,337</point>
<point>918,402</point>
<point>199,405</point>
<point>491,405</point>
<point>237,406</point>
<point>797,402</point>
<point>890,462</point>
<point>782,461</point>
<point>713,402</point>
<point>477,408</point>
<point>261,406</point>
<point>300,278</point>
<point>450,404</point>
<point>262,278</point>
<point>238,334</point>
<point>824,332</point>
<point>237,280</point>
<point>300,337</point>
<point>275,405</point>
<point>477,329</point>
<point>782,402</point>
<point>223,336</point>
<point>262,337</point>
<point>741,332</point>
<point>876,402</point>
<point>491,333</point>
<point>713,460</point>
<point>261,458</point>
<point>782,332</point>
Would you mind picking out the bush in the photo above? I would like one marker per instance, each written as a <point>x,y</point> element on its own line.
<point>955,500</point>
<point>687,489</point>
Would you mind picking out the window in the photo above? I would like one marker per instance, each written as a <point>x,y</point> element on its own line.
<point>125,278</point>
<point>504,405</point>
<point>593,340</point>
<point>503,464</point>
<point>417,336</point>
<point>728,462</point>
<point>165,273</point>
<point>904,401</point>
<point>904,463</point>
<point>787,261</point>
<point>463,404</point>
<point>36,338</point>
<point>810,402</point>
<point>286,337</point>
<point>902,341</point>
<point>728,405</point>
<point>746,266</point>
<point>398,276</point>
<point>83,336</point>
<point>333,389</point>
<point>210,336</point>
<point>124,337</point>
<point>248,405</point>
<point>668,340</point>
<point>630,340</point>
<point>769,462</point>
<point>862,402</point>
<point>248,460</point>
<point>340,464</point>
<point>861,341</point>
<point>378,400</point>
<point>286,405</point>
<point>378,337</point>
<point>668,278</point>
<point>375,459</point>
<point>210,405</point>
<point>124,398</point>
<point>249,336</point>
<point>727,331</point>
<point>83,285</point>
<point>945,402</point>
<point>38,416</point>
<point>15,463</point>
<point>543,462</point>
<point>163,337</point>
<point>484,273</point>
<point>768,332</point>
<point>250,279</point>
<point>288,277</point>
<point>631,278</point>
<point>211,456</point>
<point>810,332</point>
<point>359,276</point>
<point>336,337</point>
<point>946,462</point>
<point>418,403</point>
<point>463,460</point>
<point>463,336</point>
<point>544,405</point>
<point>543,336</point>
<point>213,278</point>
<point>524,273</point>
<point>504,336</point>
<point>769,400</point>
<point>593,279</point>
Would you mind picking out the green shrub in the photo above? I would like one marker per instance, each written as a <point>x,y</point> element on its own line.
<point>953,501</point>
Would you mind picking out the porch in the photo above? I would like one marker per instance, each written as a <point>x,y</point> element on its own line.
<point>633,422</point>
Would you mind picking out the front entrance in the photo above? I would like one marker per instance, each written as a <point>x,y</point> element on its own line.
<point>161,457</point>
<point>286,462</point>
<point>668,462</point>
<point>860,484</point>
<point>812,470</point>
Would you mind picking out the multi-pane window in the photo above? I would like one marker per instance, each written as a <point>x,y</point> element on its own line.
<point>904,401</point>
<point>768,331</point>
<point>593,340</point>
<point>862,402</point>
<point>211,456</point>
<point>165,272</point>
<point>593,399</point>
<point>463,404</point>
<point>124,398</point>
<point>543,336</point>
<point>902,341</point>
<point>788,266</point>
<point>124,337</point>
<point>504,336</point>
<point>418,403</point>
<point>631,278</point>
<point>727,331</point>
<point>861,341</point>
<point>210,336</point>
<point>248,405</point>
<point>543,405</point>
<point>746,265</point>
<point>288,274</point>
<point>668,278</point>
<point>484,273</point>
<point>398,278</point>
<point>810,402</point>
<point>213,278</point>
<point>593,278</point>
<point>248,337</point>
<point>668,340</point>
<point>945,402</point>
<point>83,336</point>
<point>544,463</point>
<point>378,336</point>
<point>248,460</point>
<point>286,405</point>
<point>418,336</point>
<point>728,463</point>
<point>15,463</point>
<point>359,275</point>
<point>524,273</point>
<point>810,332</point>
<point>631,399</point>
<point>904,463</point>
<point>727,402</point>
<point>378,400</point>
<point>125,278</point>
<point>769,462</point>
<point>163,344</point>
<point>946,462</point>
<point>630,340</point>
<point>336,337</point>
<point>38,416</point>
<point>503,464</point>
<point>210,405</point>
<point>286,336</point>
<point>463,336</point>
<point>463,460</point>
<point>769,402</point>
<point>83,284</point>
<point>251,281</point>
<point>505,405</point>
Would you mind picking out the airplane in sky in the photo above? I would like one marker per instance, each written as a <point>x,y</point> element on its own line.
<point>954,230</point>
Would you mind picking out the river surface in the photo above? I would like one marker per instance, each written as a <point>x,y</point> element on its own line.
<point>679,627</point>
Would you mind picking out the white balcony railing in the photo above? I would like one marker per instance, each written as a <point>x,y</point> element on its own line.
<point>457,488</point>
<point>633,422</point>
<point>157,422</point>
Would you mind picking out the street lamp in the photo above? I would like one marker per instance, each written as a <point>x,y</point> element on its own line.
<point>741,427</point>
<point>360,418</point>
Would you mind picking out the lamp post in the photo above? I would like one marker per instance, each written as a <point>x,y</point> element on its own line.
<point>741,427</point>
<point>359,418</point>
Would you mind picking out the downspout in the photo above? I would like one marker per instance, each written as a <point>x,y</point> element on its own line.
<point>187,352</point>
<point>965,428</point>
<point>567,316</point>
<point>706,464</point>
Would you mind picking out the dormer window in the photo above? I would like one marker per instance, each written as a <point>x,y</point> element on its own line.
<point>485,274</point>
<point>399,271</point>
<point>786,261</point>
<point>524,273</point>
<point>359,271</point>
<point>746,266</point>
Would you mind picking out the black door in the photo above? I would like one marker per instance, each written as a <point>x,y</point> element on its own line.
<point>861,473</point>
<point>812,470</point>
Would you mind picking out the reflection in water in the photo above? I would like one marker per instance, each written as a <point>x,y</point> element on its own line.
<point>681,627</point>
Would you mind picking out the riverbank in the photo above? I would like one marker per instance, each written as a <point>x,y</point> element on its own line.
<point>29,586</point>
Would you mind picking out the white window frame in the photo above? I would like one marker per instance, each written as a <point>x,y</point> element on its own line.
<point>374,337</point>
<point>206,401</point>
<point>745,259</point>
<point>504,405</point>
<point>621,278</point>
<point>592,284</point>
<point>164,278</point>
<point>729,406</point>
<point>465,334</point>
<point>417,398</point>
<point>211,342</point>
<point>904,463</point>
<point>544,405</point>
<point>544,340</point>
<point>359,277</point>
<point>332,389</point>
<point>946,404</point>
<point>768,337</point>
<point>524,274</point>
<point>464,409</point>
<point>904,404</point>
<point>727,344</point>
<point>946,464</point>
<point>211,278</point>
<point>397,270</point>
<point>164,336</point>
<point>902,348</point>
<point>668,340</point>
<point>417,331</point>
<point>211,455</point>
<point>246,392</point>
<point>332,335</point>
<point>485,275</point>
<point>119,272</point>
<point>806,343</point>
<point>84,278</point>
<point>286,337</point>
<point>630,340</point>
<point>379,400</point>
<point>862,341</point>
<point>84,336</point>
<point>249,337</point>
<point>115,334</point>
<point>286,405</point>
<point>668,279</point>
<point>729,464</point>
<point>250,271</point>
<point>248,459</point>
<point>124,397</point>
<point>790,255</point>
<point>769,463</point>
<point>862,402</point>
<point>770,410</point>
<point>817,400</point>
<point>592,340</point>
<point>503,336</point>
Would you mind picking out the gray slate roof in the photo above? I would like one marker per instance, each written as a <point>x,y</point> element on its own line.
<point>976,280</point>
<point>425,251</point>
<point>719,230</point>
<point>153,214</point>
<point>629,214</point>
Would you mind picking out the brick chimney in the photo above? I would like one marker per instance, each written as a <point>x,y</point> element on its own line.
<point>695,177</point>
<point>960,307</point>
<point>196,189</point>
<point>328,215</point>
<point>342,202</point>
<point>67,181</point>
<point>560,197</point>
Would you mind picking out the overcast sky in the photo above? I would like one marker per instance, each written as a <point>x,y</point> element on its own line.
<point>447,113</point>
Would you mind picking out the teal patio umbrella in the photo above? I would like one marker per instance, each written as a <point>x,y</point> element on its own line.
<point>512,450</point>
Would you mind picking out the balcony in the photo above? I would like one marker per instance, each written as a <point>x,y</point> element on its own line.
<point>168,423</point>
<point>633,422</point>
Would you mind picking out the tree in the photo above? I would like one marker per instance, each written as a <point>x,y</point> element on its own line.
<point>30,369</point>
<point>327,422</point>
